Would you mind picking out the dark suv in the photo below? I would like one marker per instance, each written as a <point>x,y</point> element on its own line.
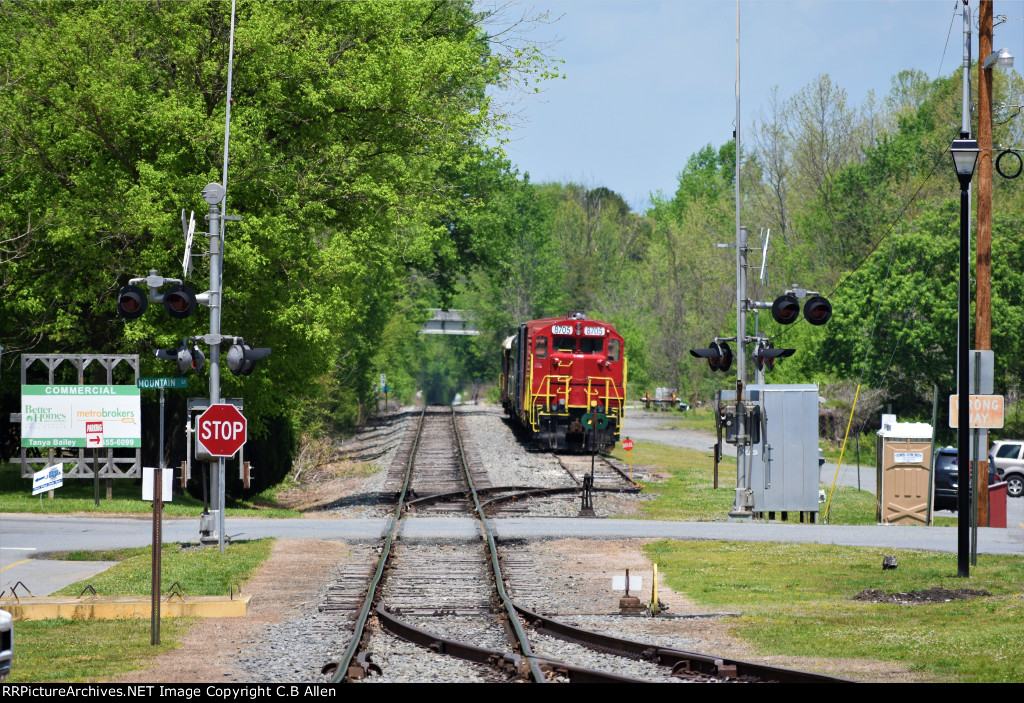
<point>946,478</point>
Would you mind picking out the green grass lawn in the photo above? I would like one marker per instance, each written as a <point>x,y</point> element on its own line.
<point>95,650</point>
<point>795,601</point>
<point>683,488</point>
<point>78,496</point>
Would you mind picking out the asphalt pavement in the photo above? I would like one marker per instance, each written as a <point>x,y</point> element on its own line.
<point>25,540</point>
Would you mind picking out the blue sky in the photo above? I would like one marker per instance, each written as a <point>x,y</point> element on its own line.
<point>649,83</point>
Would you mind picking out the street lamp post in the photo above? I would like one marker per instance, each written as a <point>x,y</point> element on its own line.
<point>965,157</point>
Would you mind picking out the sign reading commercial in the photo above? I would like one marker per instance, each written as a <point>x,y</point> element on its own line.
<point>81,416</point>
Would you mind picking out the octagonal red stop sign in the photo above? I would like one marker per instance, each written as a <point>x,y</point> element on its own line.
<point>222,430</point>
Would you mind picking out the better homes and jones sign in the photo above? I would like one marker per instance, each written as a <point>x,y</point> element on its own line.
<point>81,416</point>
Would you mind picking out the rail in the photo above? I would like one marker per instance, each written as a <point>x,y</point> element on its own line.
<point>506,602</point>
<point>364,612</point>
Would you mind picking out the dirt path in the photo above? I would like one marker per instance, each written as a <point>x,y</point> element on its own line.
<point>288,581</point>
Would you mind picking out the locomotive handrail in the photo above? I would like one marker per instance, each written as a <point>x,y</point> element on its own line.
<point>530,412</point>
<point>608,382</point>
<point>546,382</point>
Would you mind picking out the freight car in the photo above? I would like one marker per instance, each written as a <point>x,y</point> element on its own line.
<point>564,380</point>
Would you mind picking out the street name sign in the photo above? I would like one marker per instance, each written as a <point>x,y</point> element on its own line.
<point>221,430</point>
<point>157,383</point>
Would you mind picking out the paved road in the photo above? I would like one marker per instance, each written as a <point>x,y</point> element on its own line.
<point>25,538</point>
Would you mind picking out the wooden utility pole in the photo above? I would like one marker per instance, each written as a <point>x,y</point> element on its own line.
<point>983,265</point>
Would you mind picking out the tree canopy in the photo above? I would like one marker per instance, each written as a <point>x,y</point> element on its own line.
<point>357,157</point>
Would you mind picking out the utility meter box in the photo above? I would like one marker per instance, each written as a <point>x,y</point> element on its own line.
<point>903,473</point>
<point>783,462</point>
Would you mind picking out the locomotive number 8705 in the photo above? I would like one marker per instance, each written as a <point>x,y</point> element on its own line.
<point>564,380</point>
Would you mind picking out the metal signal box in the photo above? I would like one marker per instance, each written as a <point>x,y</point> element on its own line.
<point>783,460</point>
<point>749,419</point>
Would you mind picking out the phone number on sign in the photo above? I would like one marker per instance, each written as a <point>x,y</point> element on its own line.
<point>120,442</point>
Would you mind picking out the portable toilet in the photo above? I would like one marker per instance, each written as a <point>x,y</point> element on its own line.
<point>903,471</point>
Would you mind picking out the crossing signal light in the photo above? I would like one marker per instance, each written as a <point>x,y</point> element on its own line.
<point>817,310</point>
<point>179,301</point>
<point>718,354</point>
<point>131,302</point>
<point>765,354</point>
<point>186,357</point>
<point>242,358</point>
<point>786,309</point>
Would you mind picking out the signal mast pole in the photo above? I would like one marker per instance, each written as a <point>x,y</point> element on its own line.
<point>216,196</point>
<point>741,507</point>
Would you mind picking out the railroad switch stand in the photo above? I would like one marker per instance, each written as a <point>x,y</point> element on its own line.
<point>587,493</point>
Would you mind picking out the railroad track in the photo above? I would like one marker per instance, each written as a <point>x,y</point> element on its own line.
<point>452,599</point>
<point>608,473</point>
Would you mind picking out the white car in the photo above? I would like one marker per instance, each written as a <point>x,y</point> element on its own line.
<point>6,643</point>
<point>1008,457</point>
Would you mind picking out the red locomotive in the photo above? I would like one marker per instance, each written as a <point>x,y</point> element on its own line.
<point>564,380</point>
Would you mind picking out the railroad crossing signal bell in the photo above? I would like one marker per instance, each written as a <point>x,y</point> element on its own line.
<point>718,354</point>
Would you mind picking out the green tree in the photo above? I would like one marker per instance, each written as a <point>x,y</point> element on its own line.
<point>357,150</point>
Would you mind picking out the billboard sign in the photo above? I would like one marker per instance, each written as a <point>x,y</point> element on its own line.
<point>81,416</point>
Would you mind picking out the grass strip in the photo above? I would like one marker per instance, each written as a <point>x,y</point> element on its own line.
<point>682,488</point>
<point>76,651</point>
<point>796,601</point>
<point>78,496</point>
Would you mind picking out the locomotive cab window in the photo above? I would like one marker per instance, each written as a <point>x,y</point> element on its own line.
<point>591,345</point>
<point>565,344</point>
<point>541,348</point>
<point>613,350</point>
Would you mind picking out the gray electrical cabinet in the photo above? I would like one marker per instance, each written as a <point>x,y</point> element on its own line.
<point>783,464</point>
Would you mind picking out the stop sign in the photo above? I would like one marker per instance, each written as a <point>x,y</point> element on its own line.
<point>627,444</point>
<point>221,430</point>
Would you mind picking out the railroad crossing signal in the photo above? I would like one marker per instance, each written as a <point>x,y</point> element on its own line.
<point>765,354</point>
<point>132,301</point>
<point>786,308</point>
<point>179,301</point>
<point>718,354</point>
<point>221,430</point>
<point>186,357</point>
<point>242,357</point>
